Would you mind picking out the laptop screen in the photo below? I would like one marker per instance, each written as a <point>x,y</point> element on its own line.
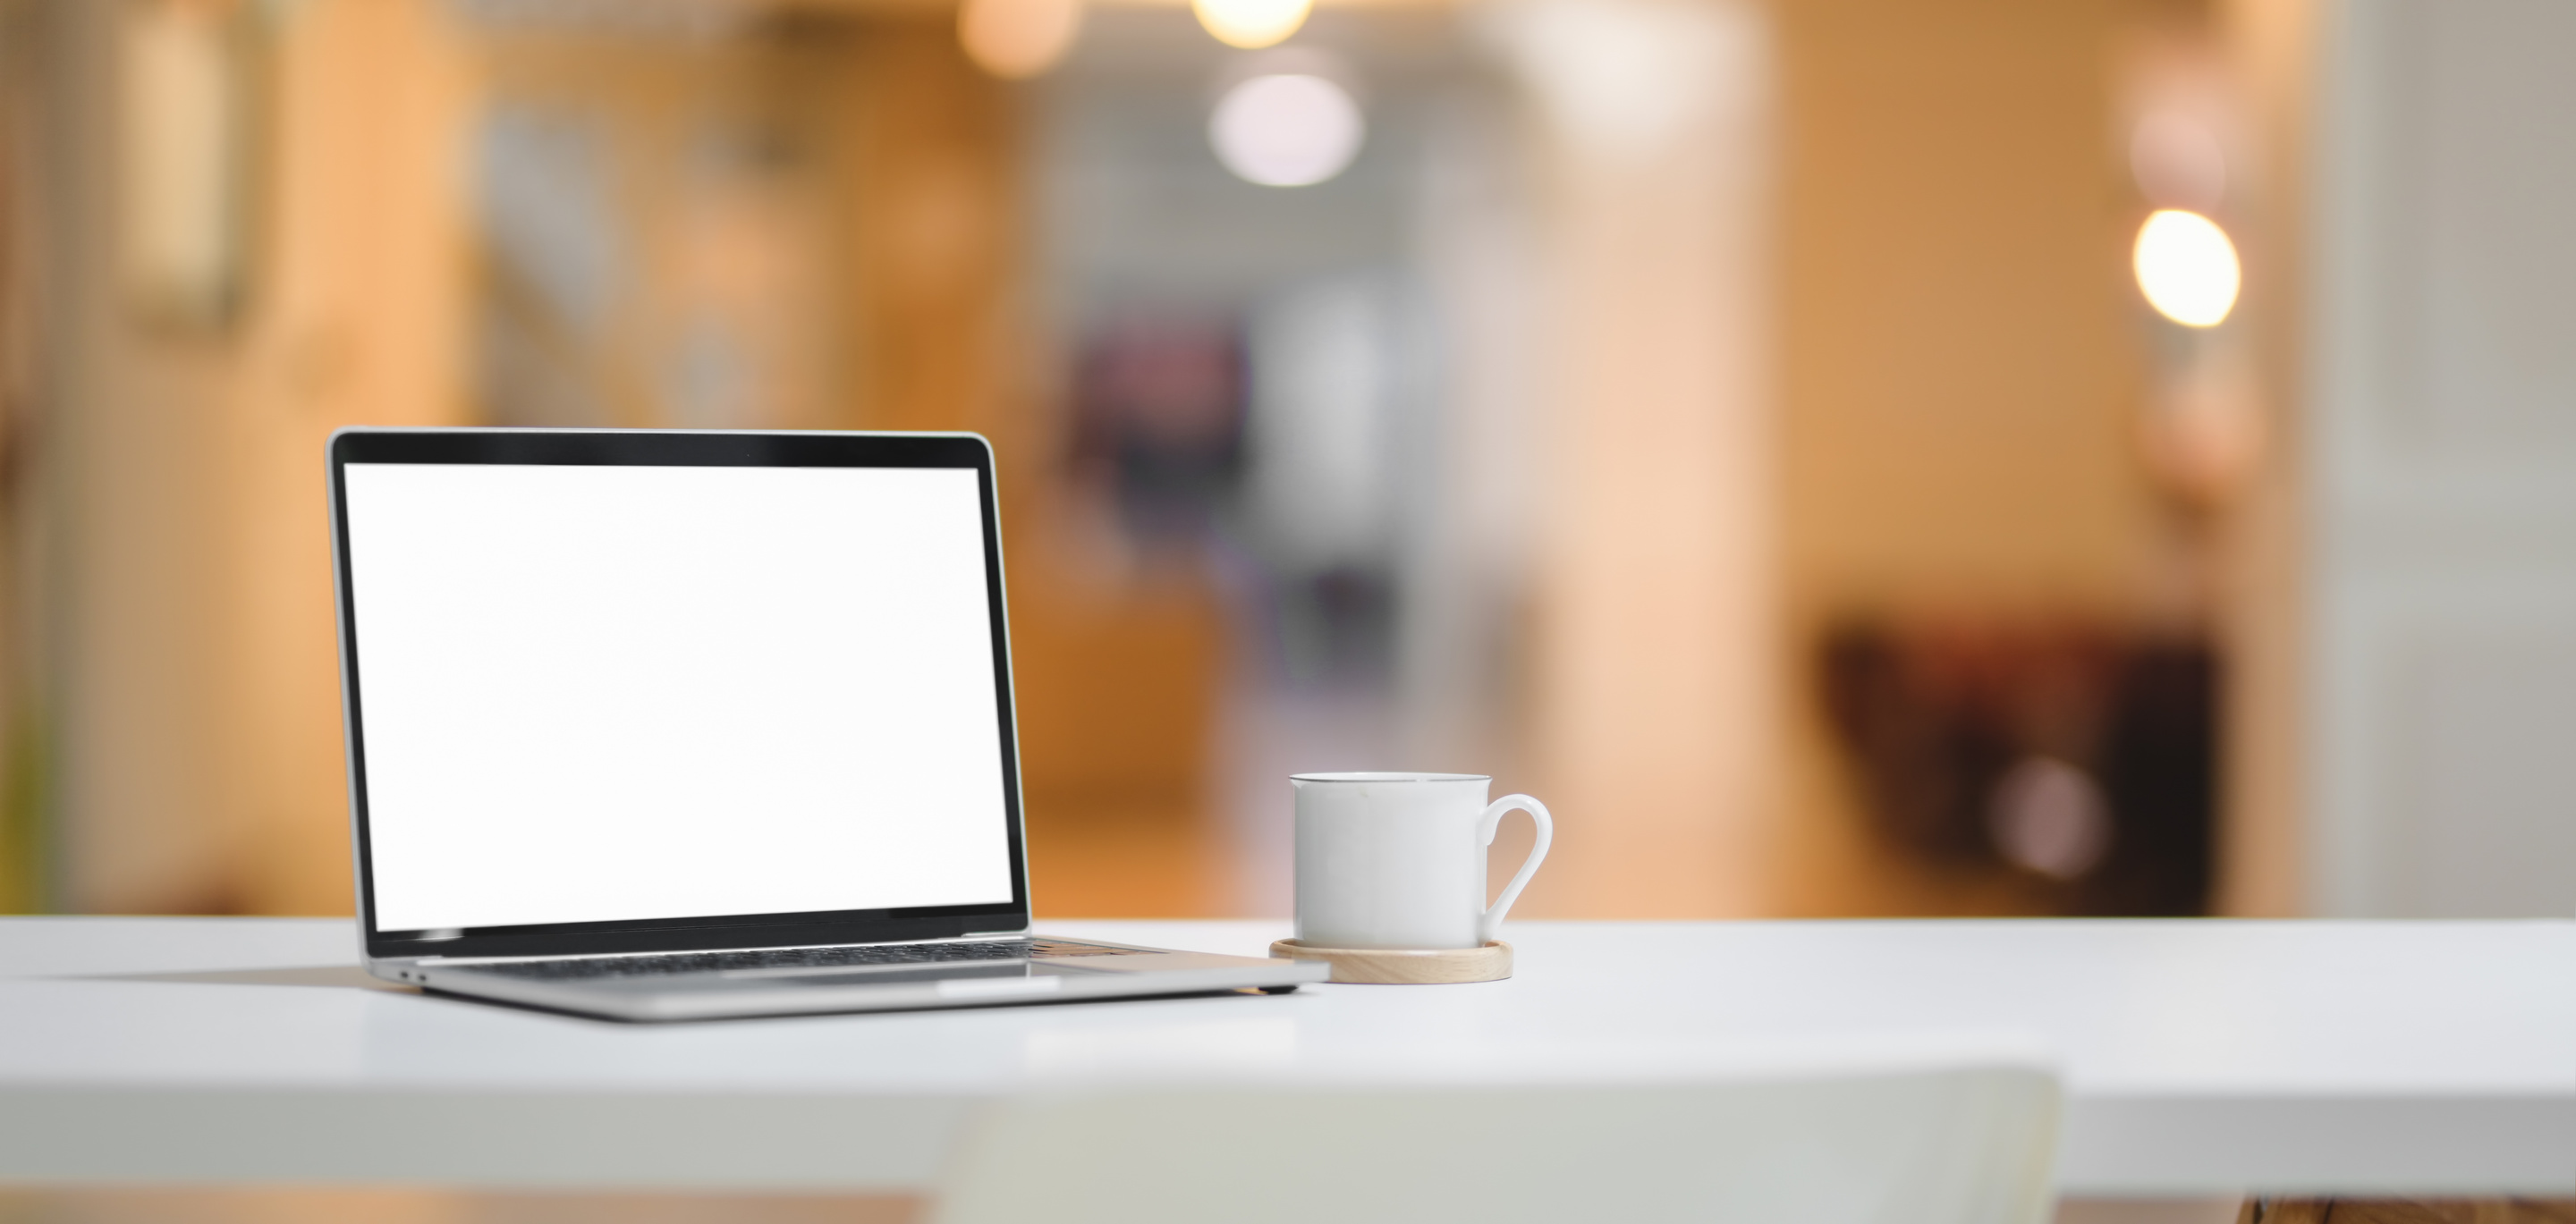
<point>605,693</point>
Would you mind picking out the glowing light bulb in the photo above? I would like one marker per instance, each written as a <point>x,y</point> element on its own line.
<point>1016,39</point>
<point>1250,24</point>
<point>1288,130</point>
<point>2187,267</point>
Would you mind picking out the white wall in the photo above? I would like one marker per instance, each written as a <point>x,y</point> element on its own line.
<point>2440,459</point>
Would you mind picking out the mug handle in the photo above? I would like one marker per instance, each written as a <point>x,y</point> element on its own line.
<point>1485,828</point>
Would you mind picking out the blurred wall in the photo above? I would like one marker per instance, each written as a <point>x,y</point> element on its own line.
<point>1960,374</point>
<point>2437,618</point>
<point>1855,342</point>
<point>188,678</point>
<point>2272,49</point>
<point>191,691</point>
<point>24,275</point>
<point>1653,648</point>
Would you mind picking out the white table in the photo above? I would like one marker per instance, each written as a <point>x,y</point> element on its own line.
<point>2200,1057</point>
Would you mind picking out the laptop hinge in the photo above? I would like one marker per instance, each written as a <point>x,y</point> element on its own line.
<point>1015,934</point>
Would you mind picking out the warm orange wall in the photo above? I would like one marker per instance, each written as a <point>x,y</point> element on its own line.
<point>936,224</point>
<point>1958,369</point>
<point>193,667</point>
<point>1651,635</point>
<point>2272,47</point>
<point>1958,364</point>
<point>363,326</point>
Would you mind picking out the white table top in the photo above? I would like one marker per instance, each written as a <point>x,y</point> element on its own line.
<point>2199,1056</point>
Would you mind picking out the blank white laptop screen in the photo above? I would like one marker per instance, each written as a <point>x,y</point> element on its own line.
<point>593,694</point>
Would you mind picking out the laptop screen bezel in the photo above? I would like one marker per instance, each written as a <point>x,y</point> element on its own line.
<point>675,448</point>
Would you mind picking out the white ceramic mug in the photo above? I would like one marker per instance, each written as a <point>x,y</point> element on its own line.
<point>1397,860</point>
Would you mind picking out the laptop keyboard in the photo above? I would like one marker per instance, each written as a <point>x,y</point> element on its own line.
<point>794,958</point>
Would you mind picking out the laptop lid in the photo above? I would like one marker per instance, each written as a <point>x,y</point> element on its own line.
<point>614,691</point>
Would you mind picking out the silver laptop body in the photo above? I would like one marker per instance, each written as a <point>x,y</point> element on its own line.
<point>664,725</point>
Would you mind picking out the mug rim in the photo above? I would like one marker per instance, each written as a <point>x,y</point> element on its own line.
<point>1407,776</point>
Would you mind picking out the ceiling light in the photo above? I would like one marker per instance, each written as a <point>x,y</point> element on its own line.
<point>1016,39</point>
<point>1287,130</point>
<point>1251,24</point>
<point>2187,268</point>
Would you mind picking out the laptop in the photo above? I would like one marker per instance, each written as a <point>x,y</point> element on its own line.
<point>654,725</point>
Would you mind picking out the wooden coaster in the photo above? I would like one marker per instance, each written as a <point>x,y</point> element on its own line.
<point>1407,966</point>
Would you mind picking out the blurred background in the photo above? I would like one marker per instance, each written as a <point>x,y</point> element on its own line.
<point>1847,456</point>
